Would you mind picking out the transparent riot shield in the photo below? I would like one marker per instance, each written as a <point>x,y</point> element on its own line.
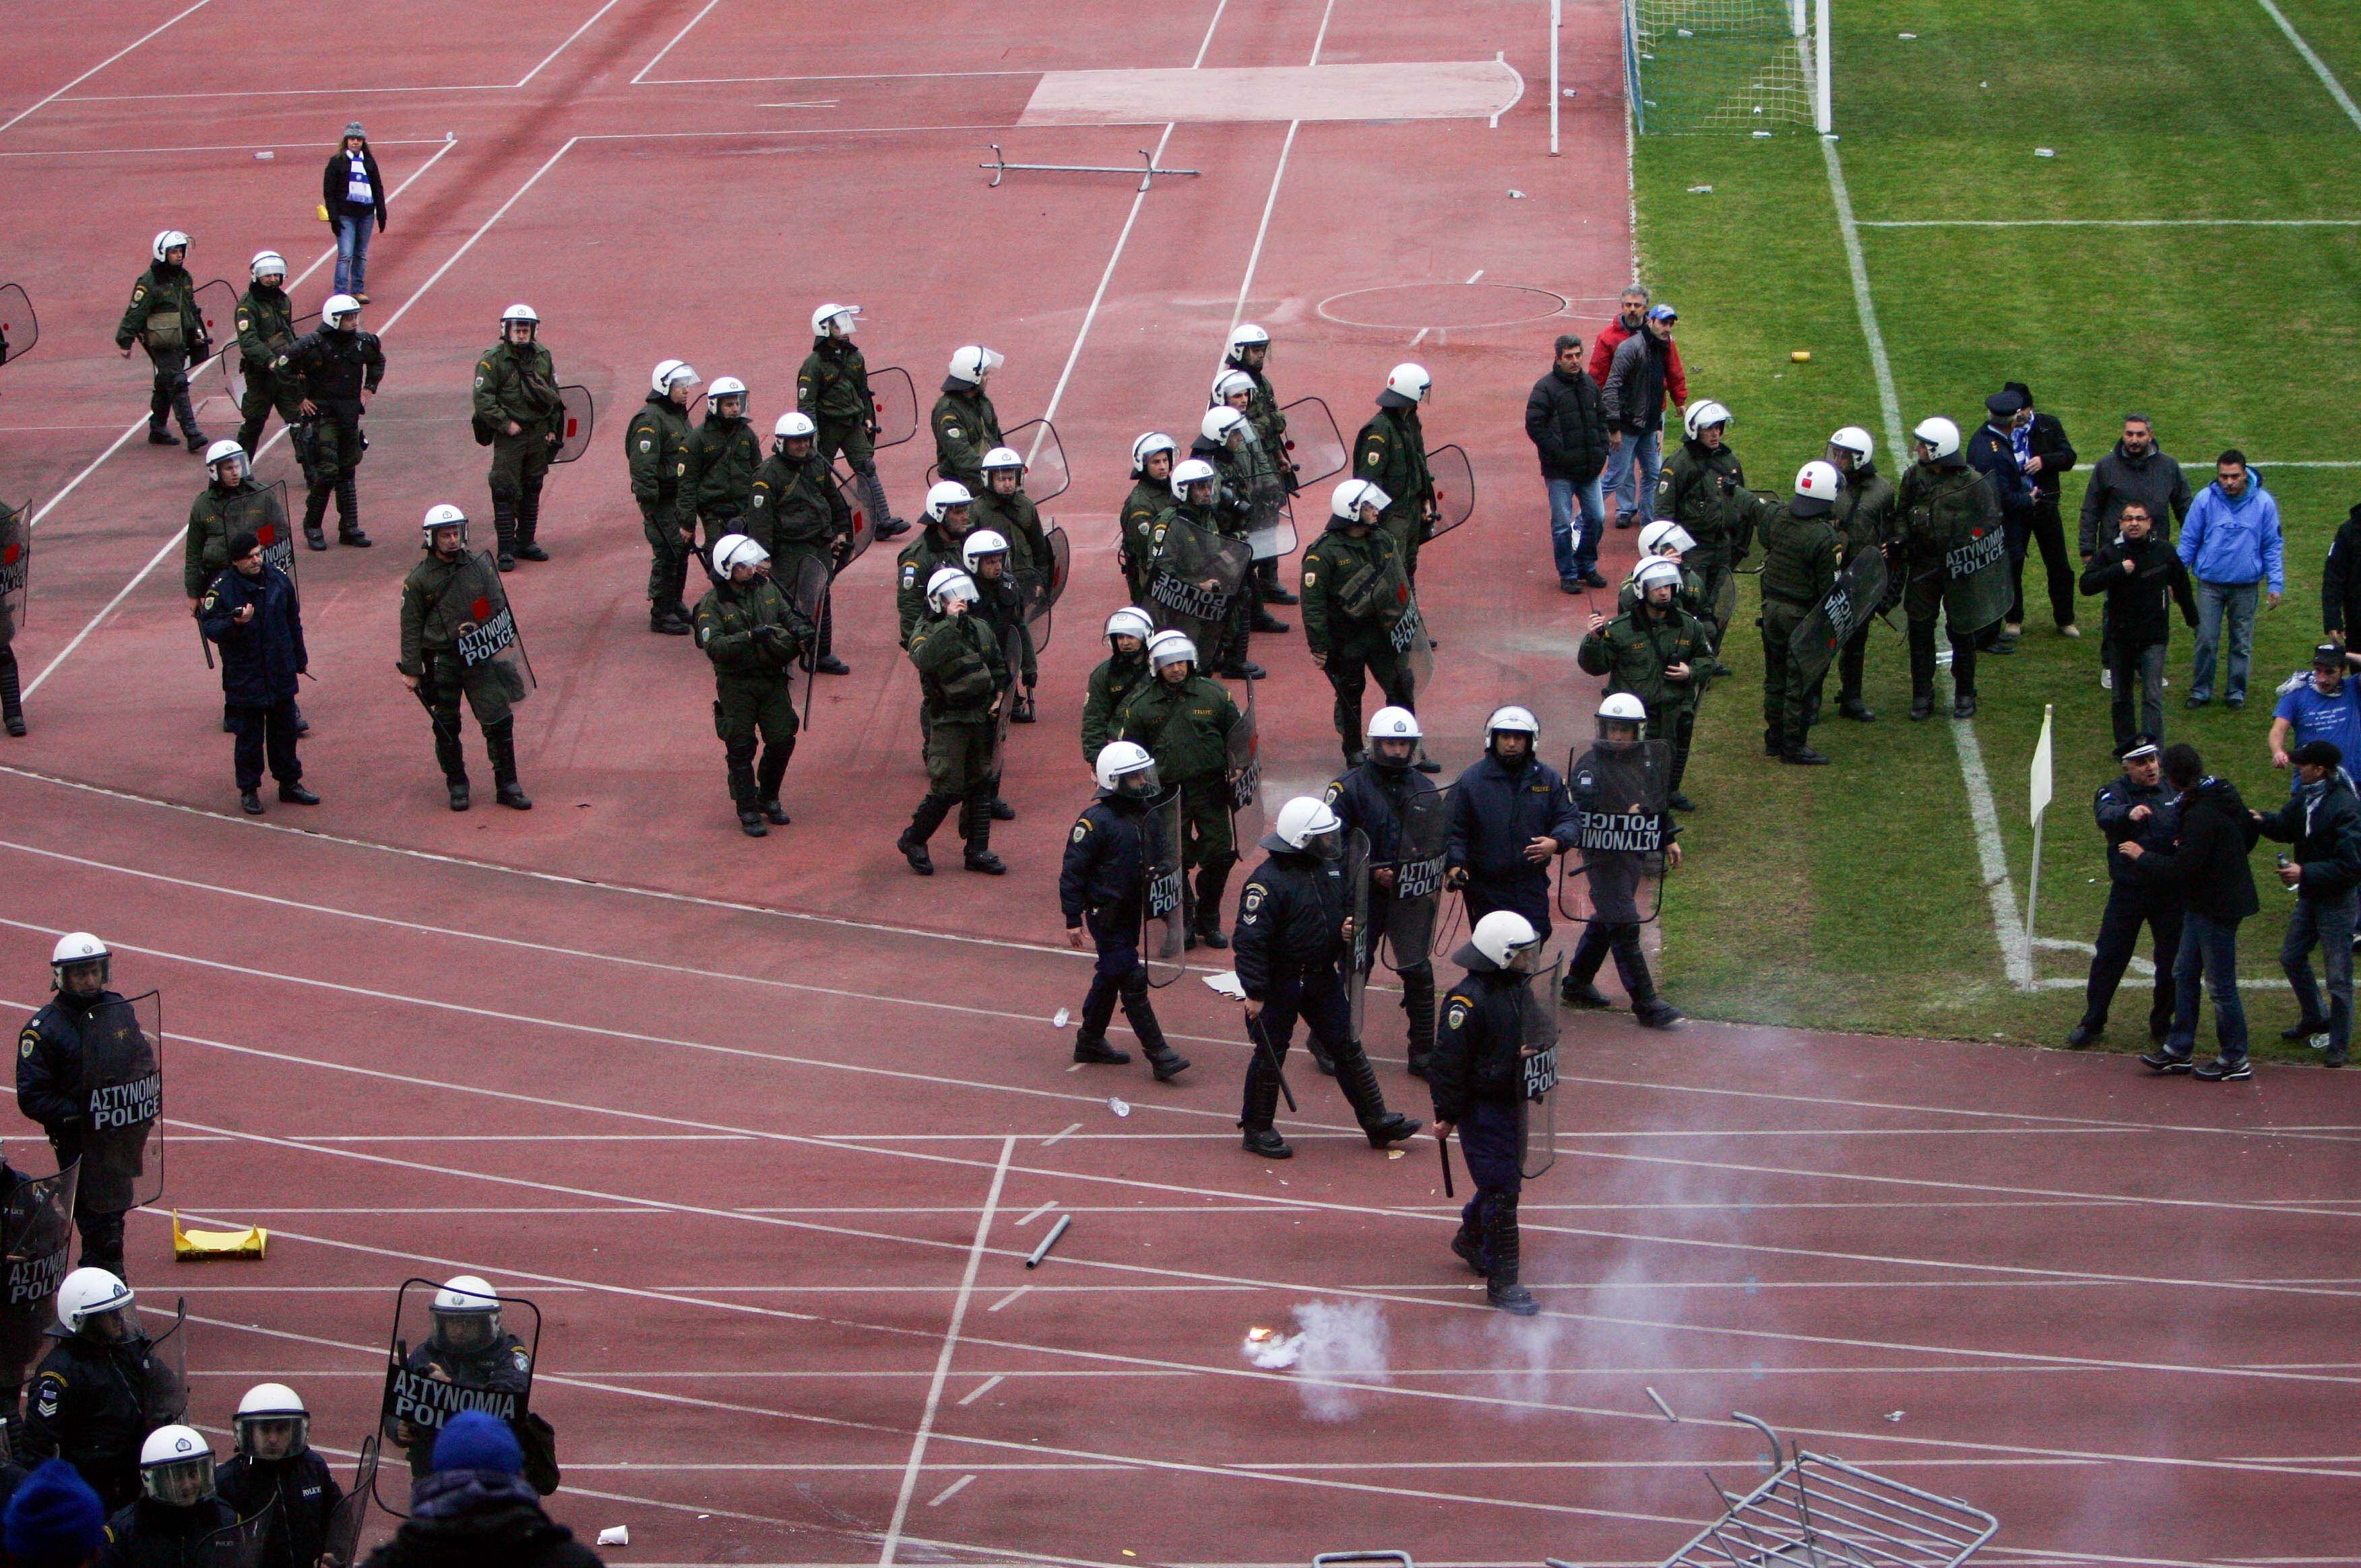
<point>122,1098</point>
<point>805,586</point>
<point>1044,584</point>
<point>15,560</point>
<point>488,638</point>
<point>1245,767</point>
<point>437,1367</point>
<point>164,1367</point>
<point>1860,589</point>
<point>235,1545</point>
<point>1314,448</point>
<point>1272,534</point>
<point>1454,489</point>
<point>1012,654</point>
<point>1616,874</point>
<point>894,404</point>
<point>1414,901</point>
<point>1194,577</point>
<point>217,308</point>
<point>19,327</point>
<point>574,424</point>
<point>1725,601</point>
<point>1046,474</point>
<point>1165,928</point>
<point>1976,587</point>
<point>863,531</point>
<point>1357,954</point>
<point>264,514</point>
<point>36,1234</point>
<point>1415,646</point>
<point>1537,1104</point>
<point>340,1545</point>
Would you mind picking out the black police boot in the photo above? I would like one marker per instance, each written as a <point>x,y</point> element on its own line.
<point>767,779</point>
<point>1425,763</point>
<point>500,741</point>
<point>1022,712</point>
<point>930,816</point>
<point>1774,742</point>
<point>1274,594</point>
<point>158,435</point>
<point>1963,706</point>
<point>1265,1142</point>
<point>504,529</point>
<point>250,801</point>
<point>1922,705</point>
<point>1852,708</point>
<point>661,621</point>
<point>1090,1039</point>
<point>315,510</point>
<point>1002,811</point>
<point>1263,620</point>
<point>1140,1014</point>
<point>348,514</point>
<point>294,794</point>
<point>1679,802</point>
<point>1418,1009</point>
<point>1654,1012</point>
<point>1800,755</point>
<point>738,766</point>
<point>528,524</point>
<point>1213,878</point>
<point>1502,1287</point>
<point>1358,1080</point>
<point>749,822</point>
<point>12,700</point>
<point>980,857</point>
<point>1467,1242</point>
<point>452,759</point>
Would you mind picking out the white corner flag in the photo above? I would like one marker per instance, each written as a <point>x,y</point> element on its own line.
<point>2039,788</point>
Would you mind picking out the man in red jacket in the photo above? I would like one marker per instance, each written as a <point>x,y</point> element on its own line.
<point>1621,484</point>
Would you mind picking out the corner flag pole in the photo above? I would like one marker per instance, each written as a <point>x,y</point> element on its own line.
<point>2038,793</point>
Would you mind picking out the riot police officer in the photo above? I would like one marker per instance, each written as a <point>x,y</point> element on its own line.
<point>102,1390</point>
<point>1702,489</point>
<point>1187,544</point>
<point>1864,520</point>
<point>1799,566</point>
<point>1103,885</point>
<point>655,450</point>
<point>1248,360</point>
<point>1401,812</point>
<point>467,1347</point>
<point>798,512</point>
<point>832,389</point>
<point>1477,1081</point>
<point>336,369</point>
<point>442,599</point>
<point>1660,652</point>
<point>963,680</point>
<point>1152,457</point>
<point>1939,501</point>
<point>1391,454</point>
<point>165,320</point>
<point>1185,722</point>
<point>56,1068</point>
<point>222,509</point>
<point>1000,605</point>
<point>723,456</point>
<point>266,330</point>
<point>1615,876</point>
<point>1294,938</point>
<point>1355,591</point>
<point>1670,543</point>
<point>1510,816</point>
<point>176,1510</point>
<point>754,635</point>
<point>520,415</point>
<point>1246,493</point>
<point>1117,677</point>
<point>965,423</point>
<point>939,546</point>
<point>1004,508</point>
<point>274,1463</point>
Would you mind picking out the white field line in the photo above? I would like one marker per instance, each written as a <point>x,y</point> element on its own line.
<point>1992,857</point>
<point>1270,202</point>
<point>217,146</point>
<point>2110,222</point>
<point>118,54</point>
<point>668,48</point>
<point>2319,66</point>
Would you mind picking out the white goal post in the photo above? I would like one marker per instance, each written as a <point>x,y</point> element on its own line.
<point>1722,67</point>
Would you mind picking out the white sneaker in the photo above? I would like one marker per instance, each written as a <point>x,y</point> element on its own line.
<point>2106,680</point>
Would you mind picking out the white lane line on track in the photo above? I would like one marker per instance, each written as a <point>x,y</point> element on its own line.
<point>102,65</point>
<point>980,1389</point>
<point>1012,1296</point>
<point>1270,200</point>
<point>526,78</point>
<point>948,1492</point>
<point>943,1362</point>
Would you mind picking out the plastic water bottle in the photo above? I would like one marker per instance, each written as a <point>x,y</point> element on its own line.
<point>2284,863</point>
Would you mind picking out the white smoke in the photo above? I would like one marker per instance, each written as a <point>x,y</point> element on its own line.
<point>1338,1348</point>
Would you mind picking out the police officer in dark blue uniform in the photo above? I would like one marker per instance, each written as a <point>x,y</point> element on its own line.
<point>1295,936</point>
<point>1510,816</point>
<point>101,1389</point>
<point>252,613</point>
<point>274,1461</point>
<point>50,1078</point>
<point>1381,798</point>
<point>1103,882</point>
<point>1478,1077</point>
<point>2138,807</point>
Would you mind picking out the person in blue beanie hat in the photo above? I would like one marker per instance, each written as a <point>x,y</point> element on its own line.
<point>54,1519</point>
<point>475,1510</point>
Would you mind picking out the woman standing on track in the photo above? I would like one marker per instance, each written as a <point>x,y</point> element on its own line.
<point>352,199</point>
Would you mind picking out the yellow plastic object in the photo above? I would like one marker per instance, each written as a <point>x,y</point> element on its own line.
<point>196,1246</point>
<point>322,208</point>
<point>1801,357</point>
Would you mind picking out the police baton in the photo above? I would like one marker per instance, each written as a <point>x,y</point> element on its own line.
<point>205,645</point>
<point>1269,1058</point>
<point>1443,1147</point>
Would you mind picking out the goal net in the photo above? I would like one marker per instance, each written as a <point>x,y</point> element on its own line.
<point>1719,67</point>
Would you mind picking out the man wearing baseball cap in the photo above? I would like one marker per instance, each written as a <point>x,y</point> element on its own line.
<point>2136,807</point>
<point>2323,820</point>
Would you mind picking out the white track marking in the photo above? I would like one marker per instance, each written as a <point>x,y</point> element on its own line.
<point>846,76</point>
<point>943,1362</point>
<point>220,147</point>
<point>1270,200</point>
<point>1033,1214</point>
<point>953,1491</point>
<point>2319,66</point>
<point>527,78</point>
<point>641,74</point>
<point>980,1389</point>
<point>118,54</point>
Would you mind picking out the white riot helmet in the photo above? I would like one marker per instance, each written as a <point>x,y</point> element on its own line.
<point>1513,720</point>
<point>1170,648</point>
<point>1124,768</point>
<point>1654,572</point>
<point>225,452</point>
<point>1622,707</point>
<point>972,362</point>
<point>338,307</point>
<point>945,495</point>
<point>1855,440</point>
<point>1228,384</point>
<point>733,551</point>
<point>90,1293</point>
<point>168,240</point>
<point>444,515</point>
<point>176,1467</point>
<point>267,1402</point>
<point>1394,724</point>
<point>1408,380</point>
<point>518,311</point>
<point>1002,457</point>
<point>671,373</point>
<point>1703,415</point>
<point>1130,621</point>
<point>948,583</point>
<point>1147,446</point>
<point>1246,336</point>
<point>1939,435</point>
<point>1347,499</point>
<point>795,425</point>
<point>1306,825</point>
<point>1219,423</point>
<point>836,321</point>
<point>724,387</point>
<point>1192,471</point>
<point>78,948</point>
<point>467,1314</point>
<point>1659,537</point>
<point>1506,938</point>
<point>266,263</point>
<point>1817,481</point>
<point>981,542</point>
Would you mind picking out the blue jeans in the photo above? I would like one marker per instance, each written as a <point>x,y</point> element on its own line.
<point>2209,949</point>
<point>2215,602</point>
<point>2325,923</point>
<point>353,231</point>
<point>1641,507</point>
<point>1575,554</point>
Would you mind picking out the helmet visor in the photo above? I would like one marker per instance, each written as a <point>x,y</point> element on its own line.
<point>1142,783</point>
<point>1328,846</point>
<point>179,1483</point>
<point>467,1331</point>
<point>273,1437</point>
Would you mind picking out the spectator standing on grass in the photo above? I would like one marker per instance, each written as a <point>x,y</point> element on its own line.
<point>2135,806</point>
<point>2207,864</point>
<point>2137,469</point>
<point>2229,542</point>
<point>477,1508</point>
<point>1991,452</point>
<point>2142,579</point>
<point>2339,582</point>
<point>2323,705</point>
<point>1568,424</point>
<point>1621,496</point>
<point>352,194</point>
<point>1639,380</point>
<point>2323,820</point>
<point>2043,453</point>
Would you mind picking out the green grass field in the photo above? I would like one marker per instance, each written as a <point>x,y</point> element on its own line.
<point>1851,896</point>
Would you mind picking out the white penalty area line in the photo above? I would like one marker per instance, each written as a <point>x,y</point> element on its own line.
<point>2110,222</point>
<point>2319,66</point>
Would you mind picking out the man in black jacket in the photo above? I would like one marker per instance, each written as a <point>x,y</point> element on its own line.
<point>251,612</point>
<point>1510,817</point>
<point>2044,453</point>
<point>2323,820</point>
<point>2136,470</point>
<point>2134,806</point>
<point>476,1508</point>
<point>2207,864</point>
<point>2142,579</point>
<point>336,369</point>
<point>1111,856</point>
<point>1993,452</point>
<point>1567,422</point>
<point>1478,1080</point>
<point>275,1463</point>
<point>2340,581</point>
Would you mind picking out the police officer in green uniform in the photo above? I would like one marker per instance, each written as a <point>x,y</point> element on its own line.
<point>1249,354</point>
<point>12,700</point>
<point>1184,721</point>
<point>723,454</point>
<point>1152,457</point>
<point>520,415</point>
<point>754,635</point>
<point>1667,540</point>
<point>655,450</point>
<point>1354,592</point>
<point>1249,486</point>
<point>1000,604</point>
<point>336,369</point>
<point>204,550</point>
<point>1117,676</point>
<point>440,600</point>
<point>1201,500</point>
<point>833,386</point>
<point>266,329</point>
<point>1938,502</point>
<point>1702,489</point>
<point>966,426</point>
<point>1660,652</point>
<point>1391,453</point>
<point>796,511</point>
<point>1003,507</point>
<point>1864,520</point>
<point>937,546</point>
<point>1799,566</point>
<point>164,319</point>
<point>963,680</point>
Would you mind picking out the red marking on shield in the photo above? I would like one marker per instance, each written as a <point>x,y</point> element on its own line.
<point>572,424</point>
<point>8,555</point>
<point>481,609</point>
<point>266,534</point>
